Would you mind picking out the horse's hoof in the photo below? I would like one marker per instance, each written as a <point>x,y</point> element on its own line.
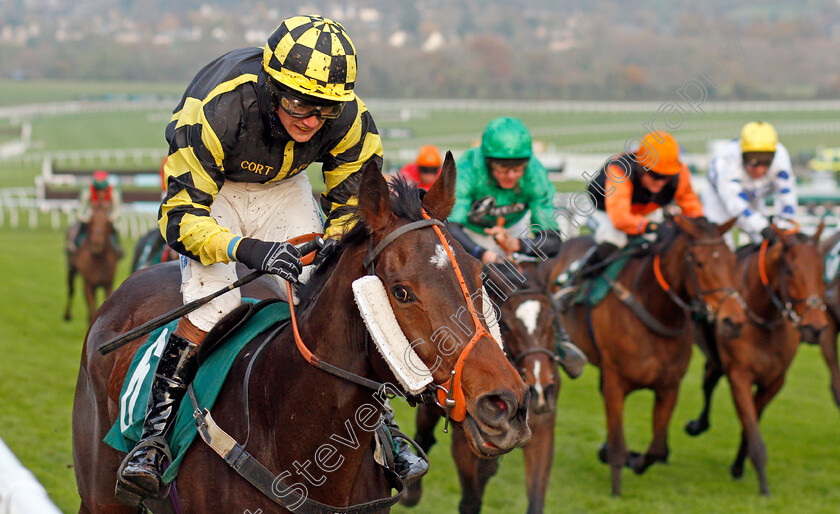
<point>736,471</point>
<point>636,462</point>
<point>696,427</point>
<point>602,453</point>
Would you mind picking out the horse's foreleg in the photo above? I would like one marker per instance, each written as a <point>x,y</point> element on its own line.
<point>615,453</point>
<point>759,459</point>
<point>427,419</point>
<point>538,456</point>
<point>473,473</point>
<point>751,442</point>
<point>90,297</point>
<point>663,409</point>
<point>71,278</point>
<point>711,377</point>
<point>828,345</point>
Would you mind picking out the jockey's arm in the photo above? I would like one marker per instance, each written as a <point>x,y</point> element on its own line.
<point>686,198</point>
<point>83,213</point>
<point>784,186</point>
<point>342,174</point>
<point>116,204</point>
<point>619,205</point>
<point>459,232</point>
<point>726,180</point>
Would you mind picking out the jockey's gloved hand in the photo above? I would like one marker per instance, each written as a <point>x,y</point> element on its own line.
<point>327,248</point>
<point>662,230</point>
<point>281,259</point>
<point>769,234</point>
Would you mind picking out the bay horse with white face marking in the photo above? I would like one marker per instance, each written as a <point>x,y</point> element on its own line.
<point>294,406</point>
<point>690,273</point>
<point>782,287</point>
<point>95,260</point>
<point>527,323</point>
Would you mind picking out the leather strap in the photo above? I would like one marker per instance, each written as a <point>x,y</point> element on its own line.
<point>371,256</point>
<point>249,468</point>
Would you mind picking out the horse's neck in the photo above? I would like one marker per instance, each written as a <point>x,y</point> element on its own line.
<point>753,291</point>
<point>335,411</point>
<point>673,266</point>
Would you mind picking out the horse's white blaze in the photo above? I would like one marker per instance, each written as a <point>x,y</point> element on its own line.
<point>440,258</point>
<point>529,312</point>
<point>538,387</point>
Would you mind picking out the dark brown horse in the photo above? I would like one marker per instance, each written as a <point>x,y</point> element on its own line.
<point>526,320</point>
<point>782,286</point>
<point>828,339</point>
<point>689,274</point>
<point>95,260</point>
<point>308,426</point>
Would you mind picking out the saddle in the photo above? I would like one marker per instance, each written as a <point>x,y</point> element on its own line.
<point>216,357</point>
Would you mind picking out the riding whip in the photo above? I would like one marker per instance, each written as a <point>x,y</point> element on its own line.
<point>163,319</point>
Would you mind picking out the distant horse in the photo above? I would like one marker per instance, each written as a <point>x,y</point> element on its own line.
<point>151,249</point>
<point>95,259</point>
<point>689,274</point>
<point>782,287</point>
<point>527,320</point>
<point>295,410</point>
<point>828,339</point>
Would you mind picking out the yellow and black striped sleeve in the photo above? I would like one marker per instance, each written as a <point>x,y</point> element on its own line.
<point>342,169</point>
<point>194,173</point>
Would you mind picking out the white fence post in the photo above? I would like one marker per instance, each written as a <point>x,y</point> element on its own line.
<point>20,491</point>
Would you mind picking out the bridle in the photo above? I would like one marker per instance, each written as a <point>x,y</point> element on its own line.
<point>450,398</point>
<point>699,305</point>
<point>783,301</point>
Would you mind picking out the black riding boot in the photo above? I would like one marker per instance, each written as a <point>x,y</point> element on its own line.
<point>407,464</point>
<point>140,472</point>
<point>571,357</point>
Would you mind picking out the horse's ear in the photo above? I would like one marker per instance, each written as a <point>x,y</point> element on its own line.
<point>779,232</point>
<point>819,231</point>
<point>441,196</point>
<point>374,198</point>
<point>686,225</point>
<point>723,229</point>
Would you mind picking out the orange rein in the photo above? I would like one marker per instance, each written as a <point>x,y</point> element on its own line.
<point>657,272</point>
<point>445,397</point>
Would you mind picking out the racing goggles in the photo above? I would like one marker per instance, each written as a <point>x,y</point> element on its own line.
<point>756,162</point>
<point>659,177</point>
<point>297,108</point>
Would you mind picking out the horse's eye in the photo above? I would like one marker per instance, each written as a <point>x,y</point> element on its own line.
<point>402,294</point>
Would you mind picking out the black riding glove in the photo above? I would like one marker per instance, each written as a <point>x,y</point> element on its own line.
<point>281,259</point>
<point>769,234</point>
<point>328,247</point>
<point>662,230</point>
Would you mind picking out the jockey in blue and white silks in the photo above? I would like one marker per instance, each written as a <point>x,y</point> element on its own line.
<point>744,175</point>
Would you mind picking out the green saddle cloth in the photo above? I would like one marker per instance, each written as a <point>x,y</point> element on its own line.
<point>593,290</point>
<point>207,383</point>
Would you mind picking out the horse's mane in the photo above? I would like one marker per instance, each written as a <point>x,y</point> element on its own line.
<point>406,203</point>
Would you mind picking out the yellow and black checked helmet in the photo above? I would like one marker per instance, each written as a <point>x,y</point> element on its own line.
<point>313,56</point>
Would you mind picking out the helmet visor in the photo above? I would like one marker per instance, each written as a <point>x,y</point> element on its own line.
<point>297,108</point>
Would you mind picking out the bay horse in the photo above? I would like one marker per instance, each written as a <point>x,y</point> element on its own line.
<point>783,288</point>
<point>293,409</point>
<point>527,324</point>
<point>689,273</point>
<point>828,339</point>
<point>95,260</point>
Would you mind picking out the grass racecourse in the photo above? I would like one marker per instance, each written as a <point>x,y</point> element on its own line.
<point>40,358</point>
<point>39,353</point>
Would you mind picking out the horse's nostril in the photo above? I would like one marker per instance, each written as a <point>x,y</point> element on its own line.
<point>500,404</point>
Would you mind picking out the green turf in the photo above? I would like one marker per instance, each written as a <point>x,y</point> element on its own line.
<point>41,356</point>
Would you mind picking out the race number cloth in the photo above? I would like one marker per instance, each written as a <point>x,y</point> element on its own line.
<point>208,382</point>
<point>832,263</point>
